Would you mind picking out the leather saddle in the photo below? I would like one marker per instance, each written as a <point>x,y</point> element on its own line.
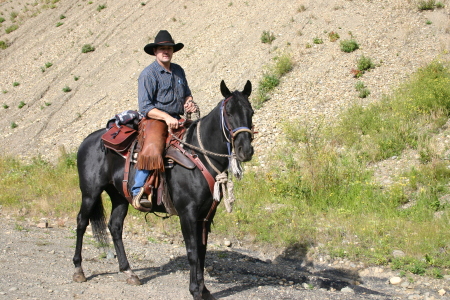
<point>124,142</point>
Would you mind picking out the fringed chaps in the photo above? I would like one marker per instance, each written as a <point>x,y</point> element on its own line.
<point>152,140</point>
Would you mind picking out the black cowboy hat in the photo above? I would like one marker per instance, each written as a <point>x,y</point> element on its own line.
<point>163,38</point>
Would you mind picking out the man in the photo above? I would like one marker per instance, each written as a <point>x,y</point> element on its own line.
<point>164,95</point>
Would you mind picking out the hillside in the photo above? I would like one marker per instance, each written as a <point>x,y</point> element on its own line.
<point>222,41</point>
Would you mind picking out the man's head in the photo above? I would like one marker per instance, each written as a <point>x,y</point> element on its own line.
<point>162,39</point>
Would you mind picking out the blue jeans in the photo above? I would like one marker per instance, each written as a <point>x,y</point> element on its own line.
<point>139,180</point>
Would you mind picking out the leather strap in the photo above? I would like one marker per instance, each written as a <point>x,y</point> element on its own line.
<point>126,172</point>
<point>211,181</point>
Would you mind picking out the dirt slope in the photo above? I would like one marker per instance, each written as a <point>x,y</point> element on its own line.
<point>222,41</point>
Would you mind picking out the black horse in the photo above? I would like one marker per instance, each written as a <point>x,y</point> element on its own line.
<point>101,170</point>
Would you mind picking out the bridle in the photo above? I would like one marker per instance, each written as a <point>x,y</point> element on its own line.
<point>226,127</point>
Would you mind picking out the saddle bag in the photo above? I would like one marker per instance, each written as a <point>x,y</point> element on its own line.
<point>119,139</point>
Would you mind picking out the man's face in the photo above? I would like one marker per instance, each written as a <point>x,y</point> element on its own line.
<point>164,54</point>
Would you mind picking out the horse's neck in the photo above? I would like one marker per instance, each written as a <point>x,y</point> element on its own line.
<point>211,138</point>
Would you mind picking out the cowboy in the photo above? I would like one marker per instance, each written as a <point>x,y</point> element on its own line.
<point>163,95</point>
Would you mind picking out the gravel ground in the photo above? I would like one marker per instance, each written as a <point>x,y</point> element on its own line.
<point>36,263</point>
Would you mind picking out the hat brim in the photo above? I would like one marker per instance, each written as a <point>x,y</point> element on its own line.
<point>149,48</point>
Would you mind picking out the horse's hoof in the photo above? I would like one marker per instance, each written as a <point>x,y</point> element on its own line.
<point>133,280</point>
<point>79,277</point>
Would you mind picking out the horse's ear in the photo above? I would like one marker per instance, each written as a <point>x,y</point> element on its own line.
<point>224,90</point>
<point>247,89</point>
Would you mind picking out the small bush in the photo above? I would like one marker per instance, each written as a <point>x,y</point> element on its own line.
<point>365,63</point>
<point>349,46</point>
<point>5,106</point>
<point>48,65</point>
<point>21,104</point>
<point>3,45</point>
<point>61,17</point>
<point>11,28</point>
<point>59,24</point>
<point>2,20</point>
<point>101,7</point>
<point>267,37</point>
<point>440,5</point>
<point>301,8</point>
<point>361,88</point>
<point>427,5</point>
<point>13,125</point>
<point>15,83</point>
<point>333,36</point>
<point>66,89</point>
<point>87,48</point>
<point>13,15</point>
<point>76,78</point>
<point>317,40</point>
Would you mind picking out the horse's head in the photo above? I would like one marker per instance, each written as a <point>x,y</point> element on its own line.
<point>237,118</point>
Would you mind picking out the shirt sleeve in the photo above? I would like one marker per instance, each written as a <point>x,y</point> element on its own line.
<point>146,92</point>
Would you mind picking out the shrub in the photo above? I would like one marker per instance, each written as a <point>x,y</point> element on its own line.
<point>361,88</point>
<point>87,48</point>
<point>426,5</point>
<point>21,104</point>
<point>3,45</point>
<point>48,65</point>
<point>13,125</point>
<point>59,24</point>
<point>100,7</point>
<point>349,46</point>
<point>5,106</point>
<point>2,20</point>
<point>66,89</point>
<point>267,37</point>
<point>15,83</point>
<point>317,40</point>
<point>61,17</point>
<point>440,5</point>
<point>11,28</point>
<point>333,36</point>
<point>365,63</point>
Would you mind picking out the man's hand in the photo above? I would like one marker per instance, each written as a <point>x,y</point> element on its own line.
<point>190,107</point>
<point>171,122</point>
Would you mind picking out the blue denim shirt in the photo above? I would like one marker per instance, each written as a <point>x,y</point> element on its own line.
<point>166,91</point>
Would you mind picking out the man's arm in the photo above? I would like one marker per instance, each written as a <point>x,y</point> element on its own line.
<point>157,114</point>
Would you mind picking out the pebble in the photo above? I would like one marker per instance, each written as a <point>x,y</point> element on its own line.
<point>442,292</point>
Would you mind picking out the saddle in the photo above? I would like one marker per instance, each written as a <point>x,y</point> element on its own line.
<point>124,141</point>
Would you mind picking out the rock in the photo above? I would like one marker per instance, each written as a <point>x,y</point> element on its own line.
<point>395,280</point>
<point>347,290</point>
<point>227,243</point>
<point>209,268</point>
<point>442,292</point>
<point>42,225</point>
<point>398,253</point>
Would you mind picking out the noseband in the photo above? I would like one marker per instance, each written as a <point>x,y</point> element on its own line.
<point>225,123</point>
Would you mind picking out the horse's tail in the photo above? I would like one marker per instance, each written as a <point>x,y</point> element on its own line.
<point>98,223</point>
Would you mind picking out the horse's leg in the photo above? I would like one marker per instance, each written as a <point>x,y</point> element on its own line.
<point>196,252</point>
<point>206,295</point>
<point>87,205</point>
<point>118,213</point>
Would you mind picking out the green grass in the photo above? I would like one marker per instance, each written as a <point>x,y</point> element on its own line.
<point>271,78</point>
<point>12,28</point>
<point>66,89</point>
<point>3,45</point>
<point>320,190</point>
